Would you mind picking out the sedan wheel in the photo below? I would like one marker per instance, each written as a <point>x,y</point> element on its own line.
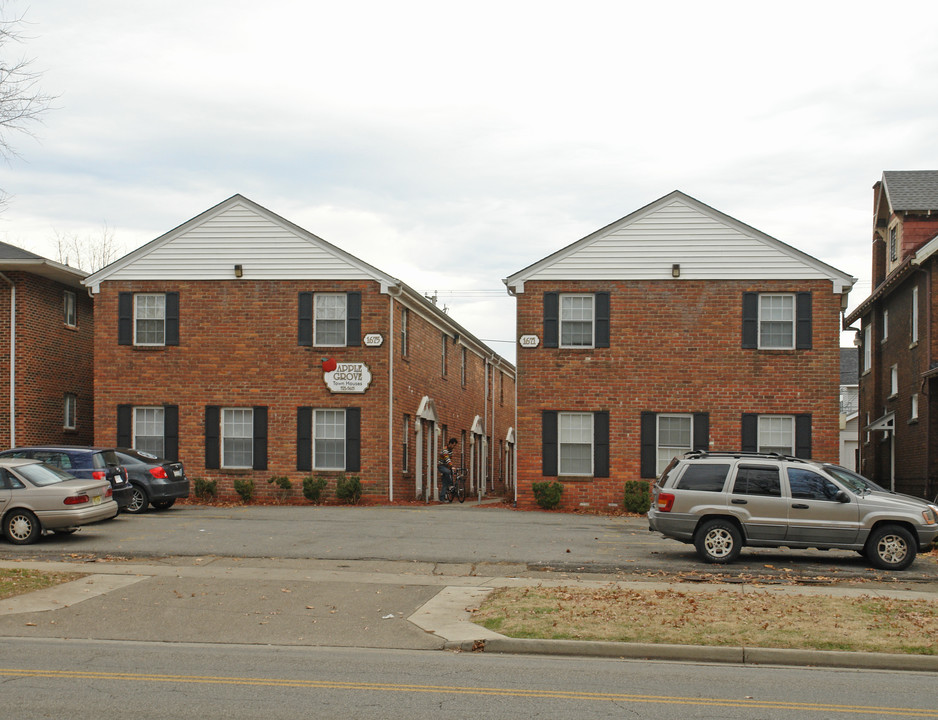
<point>718,541</point>
<point>21,527</point>
<point>138,501</point>
<point>891,547</point>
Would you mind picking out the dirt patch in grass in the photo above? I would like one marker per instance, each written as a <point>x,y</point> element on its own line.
<point>723,617</point>
<point>16,581</point>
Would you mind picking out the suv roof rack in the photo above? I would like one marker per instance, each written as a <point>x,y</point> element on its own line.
<point>696,454</point>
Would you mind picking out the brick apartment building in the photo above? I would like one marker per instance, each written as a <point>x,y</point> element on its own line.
<point>250,348</point>
<point>674,328</point>
<point>898,333</point>
<point>46,333</point>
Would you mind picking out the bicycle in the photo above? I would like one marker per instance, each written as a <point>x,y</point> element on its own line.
<point>457,489</point>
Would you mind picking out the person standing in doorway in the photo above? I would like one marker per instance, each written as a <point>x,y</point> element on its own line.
<point>445,466</point>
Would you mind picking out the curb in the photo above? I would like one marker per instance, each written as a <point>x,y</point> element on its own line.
<point>700,653</point>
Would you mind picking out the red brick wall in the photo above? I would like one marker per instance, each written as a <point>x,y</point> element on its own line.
<point>238,348</point>
<point>675,347</point>
<point>52,360</point>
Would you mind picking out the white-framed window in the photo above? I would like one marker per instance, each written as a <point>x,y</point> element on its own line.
<point>675,437</point>
<point>893,381</point>
<point>577,313</point>
<point>148,434</point>
<point>237,438</point>
<point>777,434</point>
<point>885,324</point>
<point>329,439</point>
<point>405,445</point>
<point>914,320</point>
<point>70,421</point>
<point>443,354</point>
<point>70,301</point>
<point>405,329</point>
<point>893,243</point>
<point>329,316</point>
<point>149,319</point>
<point>913,414</point>
<point>462,369</point>
<point>867,348</point>
<point>575,443</point>
<point>776,321</point>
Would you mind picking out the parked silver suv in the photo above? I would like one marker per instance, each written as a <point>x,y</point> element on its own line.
<point>720,501</point>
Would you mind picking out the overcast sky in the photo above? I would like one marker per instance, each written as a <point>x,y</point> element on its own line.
<point>452,144</point>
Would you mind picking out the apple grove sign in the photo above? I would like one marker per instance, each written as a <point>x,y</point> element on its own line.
<point>346,377</point>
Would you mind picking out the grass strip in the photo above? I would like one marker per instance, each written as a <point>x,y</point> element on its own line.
<point>16,581</point>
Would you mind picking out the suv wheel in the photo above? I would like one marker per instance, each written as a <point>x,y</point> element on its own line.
<point>718,541</point>
<point>891,547</point>
<point>138,501</point>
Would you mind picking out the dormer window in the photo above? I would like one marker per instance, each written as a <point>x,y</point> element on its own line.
<point>893,243</point>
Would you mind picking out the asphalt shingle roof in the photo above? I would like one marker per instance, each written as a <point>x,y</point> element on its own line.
<point>849,366</point>
<point>11,252</point>
<point>912,189</point>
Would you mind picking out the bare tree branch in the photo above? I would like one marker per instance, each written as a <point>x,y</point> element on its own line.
<point>87,253</point>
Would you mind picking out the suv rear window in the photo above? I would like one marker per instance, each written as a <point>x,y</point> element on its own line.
<point>704,477</point>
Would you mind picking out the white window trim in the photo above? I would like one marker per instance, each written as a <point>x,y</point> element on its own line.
<point>592,342</point>
<point>133,424</point>
<point>893,246</point>
<point>913,413</point>
<point>794,319</point>
<point>405,321</point>
<point>70,301</point>
<point>790,418</point>
<point>867,348</point>
<point>316,298</point>
<point>222,439</point>
<point>137,296</point>
<point>678,451</point>
<point>70,420</point>
<point>560,445</point>
<point>316,466</point>
<point>885,324</point>
<point>893,381</point>
<point>914,320</point>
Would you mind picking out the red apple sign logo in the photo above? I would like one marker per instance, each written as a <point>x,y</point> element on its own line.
<point>329,365</point>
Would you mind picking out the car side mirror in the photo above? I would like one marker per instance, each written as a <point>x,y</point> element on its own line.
<point>842,497</point>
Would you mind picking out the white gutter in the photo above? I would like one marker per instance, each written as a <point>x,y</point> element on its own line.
<point>12,359</point>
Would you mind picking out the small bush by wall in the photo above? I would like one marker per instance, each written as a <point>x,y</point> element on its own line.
<point>313,488</point>
<point>349,489</point>
<point>547,494</point>
<point>637,496</point>
<point>245,489</point>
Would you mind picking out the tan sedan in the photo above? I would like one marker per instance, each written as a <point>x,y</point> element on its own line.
<point>35,497</point>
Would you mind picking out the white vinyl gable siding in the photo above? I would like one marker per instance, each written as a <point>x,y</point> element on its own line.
<point>679,230</point>
<point>238,233</point>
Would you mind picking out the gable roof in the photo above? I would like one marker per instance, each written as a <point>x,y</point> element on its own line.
<point>678,229</point>
<point>238,231</point>
<point>911,190</point>
<point>14,259</point>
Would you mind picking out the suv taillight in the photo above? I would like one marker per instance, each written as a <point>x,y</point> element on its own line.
<point>665,502</point>
<point>158,472</point>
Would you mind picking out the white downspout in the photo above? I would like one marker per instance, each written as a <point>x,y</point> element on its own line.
<point>391,398</point>
<point>12,359</point>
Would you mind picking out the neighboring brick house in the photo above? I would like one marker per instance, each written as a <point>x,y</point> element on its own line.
<point>898,335</point>
<point>249,348</point>
<point>672,329</point>
<point>46,334</point>
<point>849,406</point>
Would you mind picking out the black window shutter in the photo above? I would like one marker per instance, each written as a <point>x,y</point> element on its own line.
<point>749,442</point>
<point>172,318</point>
<point>601,444</point>
<point>304,438</point>
<point>602,320</point>
<point>750,320</point>
<point>549,443</point>
<point>803,436</point>
<point>803,331</point>
<point>353,319</point>
<point>212,437</point>
<point>260,437</point>
<point>353,439</point>
<point>304,333</point>
<point>551,320</point>
<point>125,318</point>
<point>649,442</point>
<point>702,431</point>
<point>124,425</point>
<point>171,432</point>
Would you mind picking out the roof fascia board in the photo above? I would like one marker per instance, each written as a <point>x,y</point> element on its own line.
<point>46,268</point>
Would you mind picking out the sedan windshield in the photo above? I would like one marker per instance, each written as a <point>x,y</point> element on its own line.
<point>857,483</point>
<point>40,474</point>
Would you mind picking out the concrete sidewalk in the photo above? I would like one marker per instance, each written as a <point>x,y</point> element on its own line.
<point>376,604</point>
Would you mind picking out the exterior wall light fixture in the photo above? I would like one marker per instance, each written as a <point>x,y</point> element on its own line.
<point>238,271</point>
<point>676,270</point>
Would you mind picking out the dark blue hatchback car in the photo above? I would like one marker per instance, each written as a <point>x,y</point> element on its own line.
<point>98,463</point>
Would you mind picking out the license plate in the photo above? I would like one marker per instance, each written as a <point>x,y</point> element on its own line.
<point>96,500</point>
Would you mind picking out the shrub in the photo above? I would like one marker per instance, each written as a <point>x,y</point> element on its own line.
<point>547,494</point>
<point>637,496</point>
<point>244,488</point>
<point>281,481</point>
<point>205,488</point>
<point>349,489</point>
<point>313,487</point>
